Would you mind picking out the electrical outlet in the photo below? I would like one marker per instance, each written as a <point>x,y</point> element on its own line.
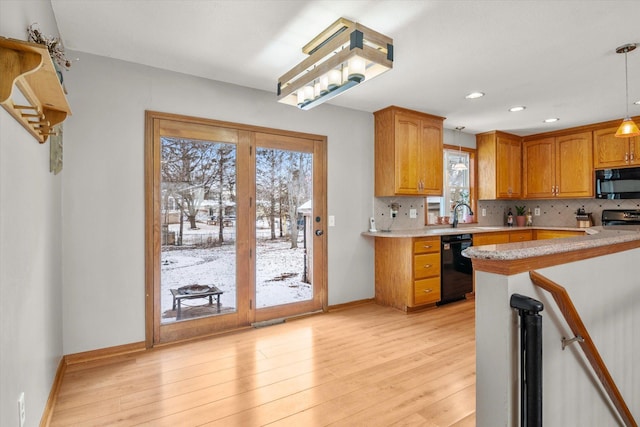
<point>536,211</point>
<point>22,414</point>
<point>484,212</point>
<point>393,213</point>
<point>413,213</point>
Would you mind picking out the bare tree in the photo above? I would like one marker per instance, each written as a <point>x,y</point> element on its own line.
<point>298,188</point>
<point>189,170</point>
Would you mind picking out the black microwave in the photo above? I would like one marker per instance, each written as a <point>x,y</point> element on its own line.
<point>618,183</point>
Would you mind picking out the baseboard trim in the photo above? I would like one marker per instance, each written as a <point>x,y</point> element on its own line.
<point>104,353</point>
<point>350,304</point>
<point>53,394</point>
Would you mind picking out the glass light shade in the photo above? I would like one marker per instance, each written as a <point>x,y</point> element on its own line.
<point>324,84</point>
<point>357,67</point>
<point>300,95</point>
<point>627,129</point>
<point>459,167</point>
<point>335,79</point>
<point>308,93</point>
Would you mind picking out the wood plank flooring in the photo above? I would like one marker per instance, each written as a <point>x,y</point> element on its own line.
<point>361,366</point>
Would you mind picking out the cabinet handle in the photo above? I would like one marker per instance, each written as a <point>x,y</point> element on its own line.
<point>426,291</point>
<point>427,246</point>
<point>633,155</point>
<point>427,266</point>
<point>626,157</point>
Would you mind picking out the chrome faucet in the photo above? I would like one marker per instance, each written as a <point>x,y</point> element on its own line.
<point>454,224</point>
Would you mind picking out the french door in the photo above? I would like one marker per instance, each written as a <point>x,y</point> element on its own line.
<point>235,226</point>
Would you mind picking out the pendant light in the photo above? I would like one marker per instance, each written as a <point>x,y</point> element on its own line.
<point>627,128</point>
<point>460,166</point>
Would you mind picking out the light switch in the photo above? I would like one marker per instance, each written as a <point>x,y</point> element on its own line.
<point>332,221</point>
<point>413,213</point>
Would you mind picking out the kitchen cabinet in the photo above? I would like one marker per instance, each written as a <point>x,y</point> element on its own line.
<point>499,157</point>
<point>499,237</point>
<point>408,153</point>
<point>520,236</point>
<point>407,271</point>
<point>612,152</point>
<point>556,234</point>
<point>560,166</point>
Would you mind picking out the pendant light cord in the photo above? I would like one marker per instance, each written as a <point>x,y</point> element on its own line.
<point>626,81</point>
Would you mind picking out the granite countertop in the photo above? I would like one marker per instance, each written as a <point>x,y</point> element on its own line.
<point>596,237</point>
<point>462,229</point>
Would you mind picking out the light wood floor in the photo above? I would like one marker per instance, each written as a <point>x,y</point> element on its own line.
<point>362,366</point>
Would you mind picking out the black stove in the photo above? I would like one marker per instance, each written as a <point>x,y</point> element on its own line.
<point>620,217</point>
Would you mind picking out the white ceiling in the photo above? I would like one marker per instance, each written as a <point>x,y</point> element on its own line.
<point>555,57</point>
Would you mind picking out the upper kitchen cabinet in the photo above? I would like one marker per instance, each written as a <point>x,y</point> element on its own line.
<point>560,166</point>
<point>408,153</point>
<point>499,165</point>
<point>612,152</point>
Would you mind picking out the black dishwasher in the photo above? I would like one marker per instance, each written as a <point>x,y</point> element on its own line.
<point>456,269</point>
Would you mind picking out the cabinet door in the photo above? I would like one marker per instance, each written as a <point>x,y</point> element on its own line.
<point>408,153</point>
<point>574,165</point>
<point>431,150</point>
<point>508,164</point>
<point>634,150</point>
<point>538,168</point>
<point>610,151</point>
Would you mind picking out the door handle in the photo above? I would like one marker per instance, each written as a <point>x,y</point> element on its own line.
<point>319,232</point>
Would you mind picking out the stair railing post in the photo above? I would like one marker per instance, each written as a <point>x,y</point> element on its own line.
<point>530,359</point>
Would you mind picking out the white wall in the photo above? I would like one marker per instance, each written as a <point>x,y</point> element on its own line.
<point>30,248</point>
<point>103,200</point>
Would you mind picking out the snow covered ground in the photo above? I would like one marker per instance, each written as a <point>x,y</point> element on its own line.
<point>279,271</point>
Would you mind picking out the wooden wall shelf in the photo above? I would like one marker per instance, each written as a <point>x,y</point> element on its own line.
<point>29,67</point>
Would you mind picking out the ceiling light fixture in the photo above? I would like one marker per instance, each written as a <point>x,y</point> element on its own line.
<point>628,127</point>
<point>340,57</point>
<point>517,108</point>
<point>460,166</point>
<point>474,95</point>
<point>552,120</point>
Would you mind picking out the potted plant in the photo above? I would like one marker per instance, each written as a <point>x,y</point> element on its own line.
<point>521,219</point>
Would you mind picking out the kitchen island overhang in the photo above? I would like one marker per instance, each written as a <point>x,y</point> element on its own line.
<point>599,273</point>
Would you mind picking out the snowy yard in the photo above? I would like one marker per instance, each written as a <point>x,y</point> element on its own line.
<point>279,271</point>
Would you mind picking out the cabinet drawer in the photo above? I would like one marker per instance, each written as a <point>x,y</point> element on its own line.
<point>490,238</point>
<point>520,236</point>
<point>426,265</point>
<point>423,246</point>
<point>426,291</point>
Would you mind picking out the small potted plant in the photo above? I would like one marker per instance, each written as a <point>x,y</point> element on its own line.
<point>521,219</point>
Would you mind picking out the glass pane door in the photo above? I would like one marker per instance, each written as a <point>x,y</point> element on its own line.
<point>198,227</point>
<point>283,216</point>
<point>289,218</point>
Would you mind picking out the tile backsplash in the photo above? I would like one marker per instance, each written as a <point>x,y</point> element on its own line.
<point>553,212</point>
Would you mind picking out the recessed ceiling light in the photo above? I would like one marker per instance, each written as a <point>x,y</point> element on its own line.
<point>517,108</point>
<point>474,95</point>
<point>555,119</point>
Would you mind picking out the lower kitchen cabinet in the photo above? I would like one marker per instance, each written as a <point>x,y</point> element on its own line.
<point>407,271</point>
<point>556,234</point>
